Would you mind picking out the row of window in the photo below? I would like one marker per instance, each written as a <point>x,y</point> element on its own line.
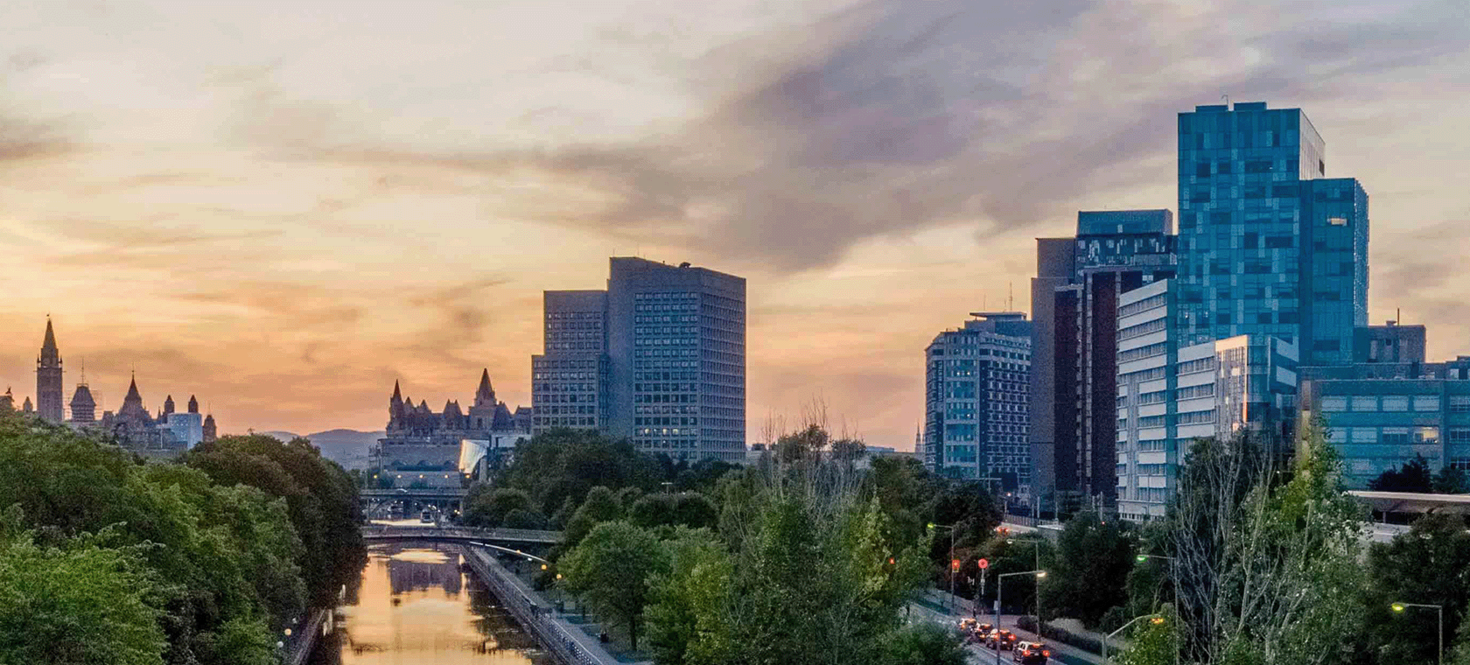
<point>1142,329</point>
<point>1393,403</point>
<point>1150,351</point>
<point>1151,302</point>
<point>1385,435</point>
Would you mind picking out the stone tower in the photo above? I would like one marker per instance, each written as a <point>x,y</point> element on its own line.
<point>83,406</point>
<point>50,400</point>
<point>210,431</point>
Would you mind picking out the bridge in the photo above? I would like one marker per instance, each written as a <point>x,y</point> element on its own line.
<point>444,498</point>
<point>381,533</point>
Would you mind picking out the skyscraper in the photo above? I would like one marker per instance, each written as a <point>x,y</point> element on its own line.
<point>1267,245</point>
<point>1074,345</point>
<point>659,358</point>
<point>976,416</point>
<point>50,399</point>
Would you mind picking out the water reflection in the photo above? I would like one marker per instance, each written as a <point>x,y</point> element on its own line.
<point>417,604</point>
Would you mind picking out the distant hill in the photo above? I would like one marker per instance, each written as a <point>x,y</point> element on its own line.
<point>283,436</point>
<point>346,447</point>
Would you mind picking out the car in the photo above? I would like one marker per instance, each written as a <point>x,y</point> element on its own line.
<point>1031,653</point>
<point>1002,639</point>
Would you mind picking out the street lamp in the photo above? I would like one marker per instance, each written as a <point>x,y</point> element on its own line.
<point>1156,619</point>
<point>953,569</point>
<point>1000,586</point>
<point>1400,607</point>
<point>1174,575</point>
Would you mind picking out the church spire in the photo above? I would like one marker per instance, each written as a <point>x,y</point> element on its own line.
<point>485,394</point>
<point>49,344</point>
<point>397,395</point>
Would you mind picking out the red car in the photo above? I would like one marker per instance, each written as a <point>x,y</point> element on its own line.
<point>1031,653</point>
<point>1002,639</point>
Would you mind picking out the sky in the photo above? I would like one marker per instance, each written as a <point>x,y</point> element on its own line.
<point>283,206</point>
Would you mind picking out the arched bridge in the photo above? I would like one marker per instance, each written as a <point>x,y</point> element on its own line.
<point>379,533</point>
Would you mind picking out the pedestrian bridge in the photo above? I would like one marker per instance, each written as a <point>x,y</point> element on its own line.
<point>375,533</point>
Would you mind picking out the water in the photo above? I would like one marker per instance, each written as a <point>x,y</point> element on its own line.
<point>417,604</point>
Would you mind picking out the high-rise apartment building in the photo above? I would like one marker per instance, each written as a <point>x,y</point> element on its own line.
<point>1267,245</point>
<point>1168,396</point>
<point>659,358</point>
<point>977,401</point>
<point>1074,304</point>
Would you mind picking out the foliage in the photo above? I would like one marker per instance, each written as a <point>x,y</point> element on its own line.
<point>609,569</point>
<point>1414,476</point>
<point>685,509</point>
<point>490,509</point>
<point>523,519</point>
<point>1152,642</point>
<point>218,566</point>
<point>1429,565</point>
<point>682,597</point>
<point>1460,653</point>
<point>923,644</point>
<point>1090,572</point>
<point>75,605</point>
<point>564,463</point>
<point>1268,567</point>
<point>320,496</point>
<point>600,506</point>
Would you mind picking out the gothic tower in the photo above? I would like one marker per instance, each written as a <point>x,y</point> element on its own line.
<point>49,396</point>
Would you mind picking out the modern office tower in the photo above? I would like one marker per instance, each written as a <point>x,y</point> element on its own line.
<point>1267,245</point>
<point>569,381</point>
<point>977,401</point>
<point>659,358</point>
<point>1170,396</point>
<point>1074,346</point>
<point>676,342</point>
<point>1389,405</point>
<point>50,400</point>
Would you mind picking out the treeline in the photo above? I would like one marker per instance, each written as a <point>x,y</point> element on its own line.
<point>207,561</point>
<point>810,556</point>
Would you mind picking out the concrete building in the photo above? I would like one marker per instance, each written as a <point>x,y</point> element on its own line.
<point>659,358</point>
<point>569,380</point>
<point>50,401</point>
<point>1168,396</point>
<point>1267,244</point>
<point>1074,304</point>
<point>977,401</point>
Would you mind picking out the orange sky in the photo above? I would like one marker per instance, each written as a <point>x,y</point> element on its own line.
<point>282,207</point>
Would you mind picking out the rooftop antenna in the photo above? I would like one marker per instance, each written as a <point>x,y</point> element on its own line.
<point>1226,99</point>
<point>1010,296</point>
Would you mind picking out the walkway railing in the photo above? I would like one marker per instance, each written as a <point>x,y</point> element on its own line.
<point>377,532</point>
<point>551,634</point>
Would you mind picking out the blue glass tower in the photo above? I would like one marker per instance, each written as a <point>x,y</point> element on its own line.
<point>1267,245</point>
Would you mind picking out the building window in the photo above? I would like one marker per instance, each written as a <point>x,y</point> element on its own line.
<point>1426,435</point>
<point>1461,463</point>
<point>1365,403</point>
<point>1334,404</point>
<point>1426,402</point>
<point>1370,434</point>
<point>1459,404</point>
<point>1396,403</point>
<point>1337,221</point>
<point>1459,435</point>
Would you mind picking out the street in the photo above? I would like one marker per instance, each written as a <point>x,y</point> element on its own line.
<point>1061,653</point>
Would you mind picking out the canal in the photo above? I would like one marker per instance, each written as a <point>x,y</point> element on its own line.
<point>416,603</point>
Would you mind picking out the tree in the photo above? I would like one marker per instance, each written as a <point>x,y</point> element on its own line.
<point>685,509</point>
<point>683,599</point>
<point>563,463</point>
<point>75,605</point>
<point>923,644</point>
<point>1413,476</point>
<point>610,568</point>
<point>1152,642</point>
<point>489,510</point>
<point>523,519</point>
<point>1450,480</point>
<point>1460,653</point>
<point>1430,564</point>
<point>1268,562</point>
<point>1089,575</point>
<point>601,506</point>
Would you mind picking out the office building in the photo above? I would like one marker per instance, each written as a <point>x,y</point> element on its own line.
<point>1267,244</point>
<point>1168,396</point>
<point>658,358</point>
<point>1390,405</point>
<point>569,381</point>
<point>977,401</point>
<point>1074,301</point>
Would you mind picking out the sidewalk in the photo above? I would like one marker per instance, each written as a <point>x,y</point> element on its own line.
<point>934,607</point>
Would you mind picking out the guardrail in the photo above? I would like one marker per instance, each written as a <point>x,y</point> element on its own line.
<point>531,614</point>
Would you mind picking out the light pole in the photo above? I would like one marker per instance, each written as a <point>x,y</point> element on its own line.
<point>953,569</point>
<point>1173,575</point>
<point>1000,586</point>
<point>1036,547</point>
<point>1155,617</point>
<point>1400,607</point>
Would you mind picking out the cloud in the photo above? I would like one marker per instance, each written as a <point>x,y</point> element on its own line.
<point>897,115</point>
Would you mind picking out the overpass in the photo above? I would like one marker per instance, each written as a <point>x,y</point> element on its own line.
<point>377,533</point>
<point>445,498</point>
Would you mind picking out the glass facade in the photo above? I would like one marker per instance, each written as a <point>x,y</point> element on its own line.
<point>977,401</point>
<point>569,381</point>
<point>1267,246</point>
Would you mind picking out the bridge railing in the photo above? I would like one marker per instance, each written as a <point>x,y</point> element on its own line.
<point>521,535</point>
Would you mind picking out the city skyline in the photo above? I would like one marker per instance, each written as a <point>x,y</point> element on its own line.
<point>243,210</point>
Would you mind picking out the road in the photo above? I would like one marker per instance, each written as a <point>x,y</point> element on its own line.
<point>1062,654</point>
